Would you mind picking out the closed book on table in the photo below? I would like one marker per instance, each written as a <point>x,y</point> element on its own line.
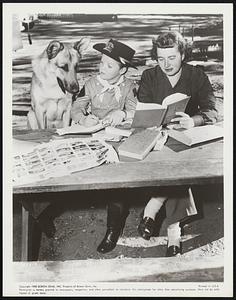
<point>153,114</point>
<point>139,144</point>
<point>196,135</point>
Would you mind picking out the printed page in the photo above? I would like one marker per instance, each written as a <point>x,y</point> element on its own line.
<point>197,135</point>
<point>203,133</point>
<point>58,158</point>
<point>28,168</point>
<point>53,164</point>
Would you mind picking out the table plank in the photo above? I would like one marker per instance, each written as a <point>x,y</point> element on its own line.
<point>127,175</point>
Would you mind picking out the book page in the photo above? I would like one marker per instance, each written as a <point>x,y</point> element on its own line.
<point>173,98</point>
<point>197,135</point>
<point>54,166</point>
<point>148,106</point>
<point>28,168</point>
<point>77,128</point>
<point>59,158</point>
<point>203,133</point>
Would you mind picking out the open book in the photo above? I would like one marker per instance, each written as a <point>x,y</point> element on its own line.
<point>196,135</point>
<point>80,129</point>
<point>124,129</point>
<point>153,114</point>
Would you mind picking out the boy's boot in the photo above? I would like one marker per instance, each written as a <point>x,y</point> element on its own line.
<point>117,213</point>
<point>45,224</point>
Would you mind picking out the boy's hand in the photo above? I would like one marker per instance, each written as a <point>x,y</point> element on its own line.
<point>184,121</point>
<point>89,120</point>
<point>115,118</point>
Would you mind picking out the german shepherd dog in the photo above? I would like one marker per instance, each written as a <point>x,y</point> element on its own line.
<point>54,80</point>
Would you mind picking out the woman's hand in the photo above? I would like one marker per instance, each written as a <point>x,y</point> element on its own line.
<point>114,118</point>
<point>184,121</point>
<point>89,120</point>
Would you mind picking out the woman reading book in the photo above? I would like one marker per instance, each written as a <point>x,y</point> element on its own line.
<point>173,75</point>
<point>111,98</point>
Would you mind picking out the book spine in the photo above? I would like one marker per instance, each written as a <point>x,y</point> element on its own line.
<point>131,155</point>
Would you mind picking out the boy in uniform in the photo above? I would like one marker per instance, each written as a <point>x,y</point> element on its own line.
<point>110,97</point>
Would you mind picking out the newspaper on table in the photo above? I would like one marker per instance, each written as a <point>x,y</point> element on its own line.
<point>59,158</point>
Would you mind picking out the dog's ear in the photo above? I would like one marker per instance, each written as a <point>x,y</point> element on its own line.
<point>82,45</point>
<point>53,48</point>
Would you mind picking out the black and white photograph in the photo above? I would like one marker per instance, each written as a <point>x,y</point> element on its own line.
<point>117,122</point>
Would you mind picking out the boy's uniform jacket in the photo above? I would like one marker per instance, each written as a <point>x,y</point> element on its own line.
<point>105,98</point>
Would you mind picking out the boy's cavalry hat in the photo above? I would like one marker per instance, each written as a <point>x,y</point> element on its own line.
<point>118,51</point>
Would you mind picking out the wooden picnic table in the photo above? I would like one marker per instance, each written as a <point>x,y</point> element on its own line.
<point>176,164</point>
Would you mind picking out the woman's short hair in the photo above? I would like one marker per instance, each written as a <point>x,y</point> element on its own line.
<point>168,39</point>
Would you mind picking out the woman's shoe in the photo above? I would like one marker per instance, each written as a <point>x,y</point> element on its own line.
<point>146,228</point>
<point>110,240</point>
<point>173,250</point>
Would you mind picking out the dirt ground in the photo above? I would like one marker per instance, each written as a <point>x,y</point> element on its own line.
<point>81,223</point>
